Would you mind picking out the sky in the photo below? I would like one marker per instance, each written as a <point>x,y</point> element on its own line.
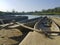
<point>28,5</point>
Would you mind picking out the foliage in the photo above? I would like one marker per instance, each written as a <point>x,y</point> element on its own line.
<point>54,11</point>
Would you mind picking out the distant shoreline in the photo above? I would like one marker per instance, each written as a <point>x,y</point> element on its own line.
<point>54,11</point>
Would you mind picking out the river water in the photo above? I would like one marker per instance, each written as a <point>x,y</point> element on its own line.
<point>35,16</point>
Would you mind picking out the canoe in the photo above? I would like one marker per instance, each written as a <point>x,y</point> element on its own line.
<point>46,24</point>
<point>29,22</point>
<point>15,34</point>
<point>4,20</point>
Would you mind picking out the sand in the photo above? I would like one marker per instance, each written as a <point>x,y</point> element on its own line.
<point>35,38</point>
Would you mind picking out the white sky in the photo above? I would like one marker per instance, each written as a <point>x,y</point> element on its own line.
<point>27,5</point>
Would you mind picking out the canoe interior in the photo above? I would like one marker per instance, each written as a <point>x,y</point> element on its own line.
<point>30,22</point>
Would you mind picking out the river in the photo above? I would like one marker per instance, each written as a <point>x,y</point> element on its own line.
<point>35,16</point>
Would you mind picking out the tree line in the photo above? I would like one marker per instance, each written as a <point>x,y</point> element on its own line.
<point>54,11</point>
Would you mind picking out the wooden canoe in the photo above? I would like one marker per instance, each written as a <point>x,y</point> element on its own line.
<point>44,25</point>
<point>4,20</point>
<point>29,22</point>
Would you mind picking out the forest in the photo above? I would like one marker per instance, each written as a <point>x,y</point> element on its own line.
<point>54,11</point>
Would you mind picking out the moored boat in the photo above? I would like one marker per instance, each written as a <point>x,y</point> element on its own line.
<point>46,24</point>
<point>7,19</point>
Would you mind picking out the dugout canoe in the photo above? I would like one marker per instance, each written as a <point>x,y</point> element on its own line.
<point>46,24</point>
<point>28,23</point>
<point>7,19</point>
